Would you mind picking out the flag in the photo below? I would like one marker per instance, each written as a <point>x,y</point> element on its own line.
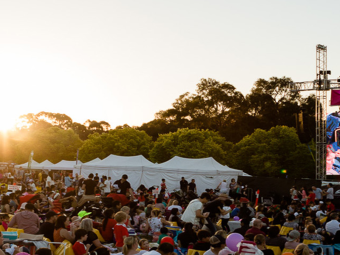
<point>30,160</point>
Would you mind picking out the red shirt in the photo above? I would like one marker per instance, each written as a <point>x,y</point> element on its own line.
<point>311,198</point>
<point>79,248</point>
<point>330,207</point>
<point>255,231</point>
<point>108,232</point>
<point>120,231</point>
<point>119,197</point>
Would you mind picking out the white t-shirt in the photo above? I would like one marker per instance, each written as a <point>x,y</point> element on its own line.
<point>189,214</point>
<point>175,206</point>
<point>333,226</point>
<point>330,193</point>
<point>152,253</point>
<point>226,216</point>
<point>49,181</point>
<point>107,189</point>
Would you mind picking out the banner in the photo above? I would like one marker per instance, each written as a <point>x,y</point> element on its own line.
<point>14,187</point>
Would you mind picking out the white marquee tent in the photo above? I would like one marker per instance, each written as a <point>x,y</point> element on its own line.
<point>34,165</point>
<point>207,172</point>
<point>65,165</point>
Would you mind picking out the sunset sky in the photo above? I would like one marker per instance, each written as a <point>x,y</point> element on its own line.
<point>122,61</point>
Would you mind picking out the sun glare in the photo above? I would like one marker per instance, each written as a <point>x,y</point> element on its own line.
<point>7,123</point>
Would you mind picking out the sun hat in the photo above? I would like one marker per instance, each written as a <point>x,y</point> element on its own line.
<point>82,214</point>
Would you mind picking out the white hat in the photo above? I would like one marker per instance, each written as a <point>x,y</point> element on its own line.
<point>23,205</point>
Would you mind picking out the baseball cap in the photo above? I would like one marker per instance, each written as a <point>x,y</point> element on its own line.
<point>82,214</point>
<point>293,235</point>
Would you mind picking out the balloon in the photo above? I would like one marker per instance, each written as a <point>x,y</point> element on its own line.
<point>236,218</point>
<point>233,240</point>
<point>287,253</point>
<point>168,239</point>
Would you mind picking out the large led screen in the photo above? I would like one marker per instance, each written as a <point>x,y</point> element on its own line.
<point>333,144</point>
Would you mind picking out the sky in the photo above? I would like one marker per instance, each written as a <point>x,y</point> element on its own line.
<point>123,61</point>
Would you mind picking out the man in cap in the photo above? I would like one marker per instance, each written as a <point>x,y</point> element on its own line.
<point>293,240</point>
<point>47,228</point>
<point>124,185</point>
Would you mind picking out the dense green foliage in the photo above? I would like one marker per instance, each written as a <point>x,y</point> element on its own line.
<point>259,133</point>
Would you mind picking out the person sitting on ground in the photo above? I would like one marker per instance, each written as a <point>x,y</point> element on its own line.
<point>130,247</point>
<point>108,225</point>
<point>244,227</point>
<point>79,248</point>
<point>163,249</point>
<point>256,229</point>
<point>47,228</point>
<point>26,220</point>
<point>302,249</point>
<point>291,222</point>
<point>174,217</point>
<point>160,205</point>
<point>260,241</point>
<point>274,238</point>
<point>60,230</point>
<point>120,231</point>
<point>175,205</point>
<point>5,221</point>
<point>333,225</point>
<point>187,237</point>
<point>311,235</point>
<point>293,239</point>
<point>203,243</point>
<point>217,243</point>
<point>92,238</point>
<point>164,233</point>
<point>144,244</point>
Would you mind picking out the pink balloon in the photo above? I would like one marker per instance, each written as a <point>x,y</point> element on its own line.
<point>233,240</point>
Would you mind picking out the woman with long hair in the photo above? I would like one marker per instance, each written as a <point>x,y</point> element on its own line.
<point>174,217</point>
<point>302,249</point>
<point>130,246</point>
<point>108,225</point>
<point>92,238</point>
<point>5,207</point>
<point>60,230</point>
<point>187,237</point>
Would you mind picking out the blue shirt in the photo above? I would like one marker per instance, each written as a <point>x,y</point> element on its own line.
<point>68,181</point>
<point>234,212</point>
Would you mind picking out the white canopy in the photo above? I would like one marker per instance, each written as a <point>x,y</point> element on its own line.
<point>34,165</point>
<point>64,165</point>
<point>207,172</point>
<point>96,160</point>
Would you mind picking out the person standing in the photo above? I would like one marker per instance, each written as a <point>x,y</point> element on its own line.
<point>124,185</point>
<point>106,186</point>
<point>223,186</point>
<point>88,187</point>
<point>330,191</point>
<point>193,212</point>
<point>68,181</point>
<point>192,186</point>
<point>318,193</point>
<point>184,186</point>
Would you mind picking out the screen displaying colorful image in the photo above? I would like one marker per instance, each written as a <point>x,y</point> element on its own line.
<point>333,144</point>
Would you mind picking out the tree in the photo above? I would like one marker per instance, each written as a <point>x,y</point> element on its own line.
<point>123,141</point>
<point>53,143</point>
<point>265,153</point>
<point>190,143</point>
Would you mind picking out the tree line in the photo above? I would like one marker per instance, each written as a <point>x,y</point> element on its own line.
<point>268,130</point>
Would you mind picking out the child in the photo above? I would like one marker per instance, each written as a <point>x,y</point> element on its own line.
<point>120,231</point>
<point>163,184</point>
<point>5,221</point>
<point>203,243</point>
<point>144,244</point>
<point>79,247</point>
<point>164,233</point>
<point>225,214</point>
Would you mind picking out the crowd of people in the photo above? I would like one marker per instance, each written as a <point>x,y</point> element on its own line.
<point>96,211</point>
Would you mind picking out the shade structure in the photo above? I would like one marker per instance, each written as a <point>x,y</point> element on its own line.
<point>34,165</point>
<point>207,172</point>
<point>65,165</point>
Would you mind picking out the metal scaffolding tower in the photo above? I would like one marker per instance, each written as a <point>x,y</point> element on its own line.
<point>321,85</point>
